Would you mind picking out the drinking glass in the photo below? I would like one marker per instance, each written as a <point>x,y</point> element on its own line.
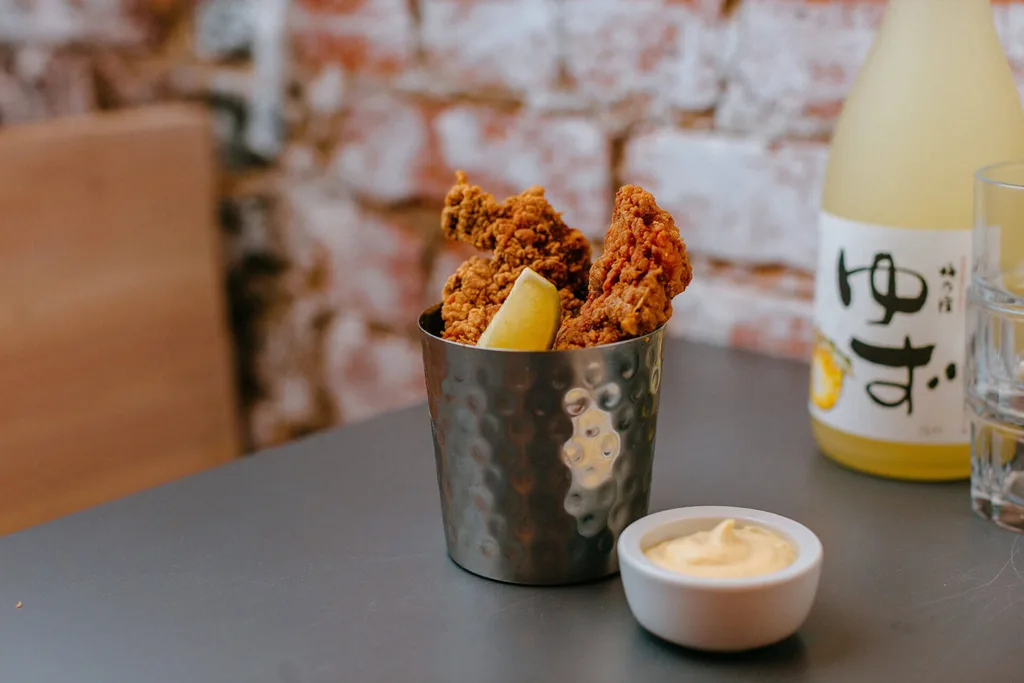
<point>995,346</point>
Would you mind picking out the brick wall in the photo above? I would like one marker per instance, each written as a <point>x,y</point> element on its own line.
<point>721,107</point>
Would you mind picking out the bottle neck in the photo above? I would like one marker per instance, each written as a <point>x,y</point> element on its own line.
<point>938,10</point>
<point>936,26</point>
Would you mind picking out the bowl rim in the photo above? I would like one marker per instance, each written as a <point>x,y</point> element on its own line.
<point>435,308</point>
<point>809,550</point>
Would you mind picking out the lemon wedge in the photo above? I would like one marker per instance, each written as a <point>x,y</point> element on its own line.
<point>529,318</point>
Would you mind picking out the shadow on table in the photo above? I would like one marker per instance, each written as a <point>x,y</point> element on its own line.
<point>790,652</point>
<point>821,644</point>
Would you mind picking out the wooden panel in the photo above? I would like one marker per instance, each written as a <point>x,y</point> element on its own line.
<point>115,369</point>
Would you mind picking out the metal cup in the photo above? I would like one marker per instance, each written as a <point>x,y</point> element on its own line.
<point>543,458</point>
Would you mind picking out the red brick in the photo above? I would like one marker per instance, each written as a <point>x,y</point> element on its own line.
<point>373,265</point>
<point>667,52</point>
<point>768,312</point>
<point>367,374</point>
<point>735,199</point>
<point>793,62</point>
<point>508,152</point>
<point>374,37</point>
<point>510,45</point>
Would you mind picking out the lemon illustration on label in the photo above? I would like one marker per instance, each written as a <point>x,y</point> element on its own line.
<point>829,367</point>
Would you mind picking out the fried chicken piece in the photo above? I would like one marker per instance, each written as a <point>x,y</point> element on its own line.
<point>521,231</point>
<point>644,265</point>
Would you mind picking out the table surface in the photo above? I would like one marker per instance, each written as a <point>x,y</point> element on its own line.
<point>324,561</point>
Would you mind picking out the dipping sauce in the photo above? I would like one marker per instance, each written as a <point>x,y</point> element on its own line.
<point>726,552</point>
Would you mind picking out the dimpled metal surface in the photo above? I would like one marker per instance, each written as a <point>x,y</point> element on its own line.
<point>543,458</point>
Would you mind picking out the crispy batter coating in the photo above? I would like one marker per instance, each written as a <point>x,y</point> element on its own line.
<point>644,265</point>
<point>521,231</point>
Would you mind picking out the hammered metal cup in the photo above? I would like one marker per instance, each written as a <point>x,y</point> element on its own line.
<point>543,458</point>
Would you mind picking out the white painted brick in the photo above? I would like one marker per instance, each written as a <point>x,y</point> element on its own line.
<point>286,367</point>
<point>373,266</point>
<point>40,83</point>
<point>510,45</point>
<point>369,374</point>
<point>792,64</point>
<point>325,93</point>
<point>375,37</point>
<point>666,52</point>
<point>735,199</point>
<point>384,148</point>
<point>56,22</point>
<point>507,153</point>
<point>760,314</point>
<point>224,28</point>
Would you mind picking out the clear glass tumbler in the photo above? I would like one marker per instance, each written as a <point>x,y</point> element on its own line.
<point>995,346</point>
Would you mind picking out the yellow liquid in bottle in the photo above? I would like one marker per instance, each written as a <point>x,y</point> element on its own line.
<point>934,102</point>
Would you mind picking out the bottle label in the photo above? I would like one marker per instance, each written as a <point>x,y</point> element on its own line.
<point>889,325</point>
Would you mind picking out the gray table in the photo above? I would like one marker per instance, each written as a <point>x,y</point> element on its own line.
<point>324,561</point>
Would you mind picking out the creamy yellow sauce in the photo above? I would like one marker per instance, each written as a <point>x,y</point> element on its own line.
<point>726,552</point>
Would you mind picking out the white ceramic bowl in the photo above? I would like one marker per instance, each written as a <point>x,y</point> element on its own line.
<point>723,615</point>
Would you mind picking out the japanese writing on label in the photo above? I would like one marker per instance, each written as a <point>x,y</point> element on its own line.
<point>889,324</point>
<point>946,301</point>
<point>885,393</point>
